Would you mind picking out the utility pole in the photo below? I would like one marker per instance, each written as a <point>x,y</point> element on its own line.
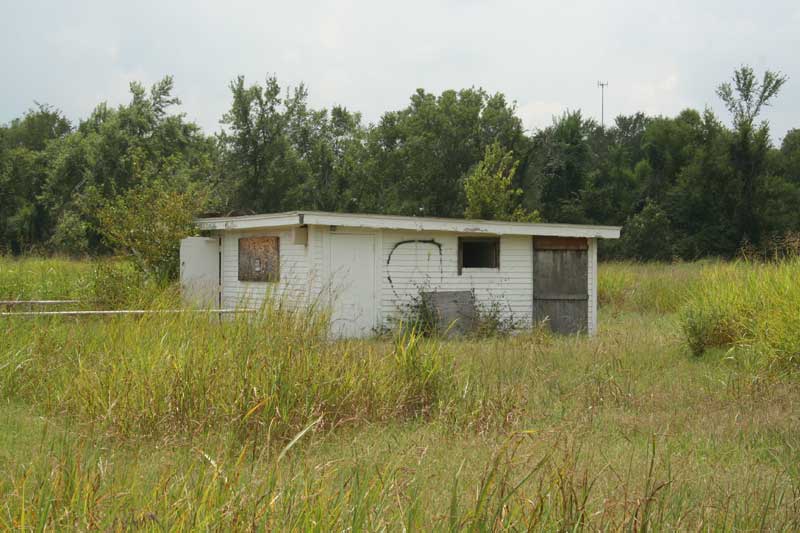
<point>602,86</point>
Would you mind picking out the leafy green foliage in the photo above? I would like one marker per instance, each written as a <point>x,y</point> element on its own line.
<point>747,96</point>
<point>421,154</point>
<point>648,234</point>
<point>147,223</point>
<point>489,190</point>
<point>54,177</point>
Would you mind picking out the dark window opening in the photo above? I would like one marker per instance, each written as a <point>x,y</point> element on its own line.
<point>480,252</point>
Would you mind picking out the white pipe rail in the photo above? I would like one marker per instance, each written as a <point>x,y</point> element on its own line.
<point>11,303</point>
<point>113,312</point>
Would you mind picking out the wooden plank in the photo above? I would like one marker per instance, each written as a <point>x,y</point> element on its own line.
<point>560,271</point>
<point>560,243</point>
<point>561,296</point>
<point>563,316</point>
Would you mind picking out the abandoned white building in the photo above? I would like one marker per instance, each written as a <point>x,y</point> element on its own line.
<point>370,268</point>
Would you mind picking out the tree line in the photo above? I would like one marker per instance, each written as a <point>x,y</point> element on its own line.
<point>123,178</point>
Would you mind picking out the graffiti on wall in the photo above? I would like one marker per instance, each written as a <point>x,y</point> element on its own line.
<point>423,271</point>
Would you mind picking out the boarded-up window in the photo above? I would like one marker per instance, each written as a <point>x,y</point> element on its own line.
<point>259,259</point>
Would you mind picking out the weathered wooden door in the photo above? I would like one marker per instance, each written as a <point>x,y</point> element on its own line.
<point>561,283</point>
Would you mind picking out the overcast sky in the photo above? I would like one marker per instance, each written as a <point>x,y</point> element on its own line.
<point>658,57</point>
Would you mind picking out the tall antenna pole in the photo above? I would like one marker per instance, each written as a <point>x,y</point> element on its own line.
<point>602,86</point>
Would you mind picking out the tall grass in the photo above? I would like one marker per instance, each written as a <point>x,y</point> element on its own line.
<point>648,287</point>
<point>43,279</point>
<point>750,307</point>
<point>261,422</point>
<point>563,485</point>
<point>267,374</point>
<point>99,284</point>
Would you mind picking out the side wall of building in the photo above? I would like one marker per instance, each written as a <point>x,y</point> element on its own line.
<point>413,262</point>
<point>293,286</point>
<point>409,262</point>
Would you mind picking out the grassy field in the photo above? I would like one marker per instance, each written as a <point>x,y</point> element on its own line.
<point>681,414</point>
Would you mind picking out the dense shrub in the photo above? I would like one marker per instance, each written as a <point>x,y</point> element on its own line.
<point>115,284</point>
<point>148,222</point>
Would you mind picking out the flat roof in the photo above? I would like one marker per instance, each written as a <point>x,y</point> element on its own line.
<point>398,222</point>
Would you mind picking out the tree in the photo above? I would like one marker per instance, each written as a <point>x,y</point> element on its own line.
<point>147,223</point>
<point>744,99</point>
<point>648,234</point>
<point>559,166</point>
<point>332,148</point>
<point>261,163</point>
<point>115,150</point>
<point>702,203</point>
<point>668,144</point>
<point>421,154</point>
<point>39,126</point>
<point>789,165</point>
<point>713,187</point>
<point>489,190</point>
<point>23,220</point>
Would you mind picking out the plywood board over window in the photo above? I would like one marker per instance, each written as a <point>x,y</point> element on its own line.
<point>259,259</point>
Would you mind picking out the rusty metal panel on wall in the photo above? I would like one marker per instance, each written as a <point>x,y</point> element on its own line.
<point>259,259</point>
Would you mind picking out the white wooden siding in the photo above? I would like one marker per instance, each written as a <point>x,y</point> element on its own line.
<point>416,266</point>
<point>317,245</point>
<point>293,286</point>
<point>592,273</point>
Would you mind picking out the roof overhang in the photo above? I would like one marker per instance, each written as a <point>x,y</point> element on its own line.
<point>396,222</point>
